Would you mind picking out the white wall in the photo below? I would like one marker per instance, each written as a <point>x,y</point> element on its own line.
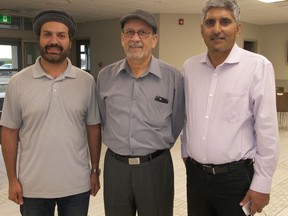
<point>104,40</point>
<point>274,47</point>
<point>176,42</point>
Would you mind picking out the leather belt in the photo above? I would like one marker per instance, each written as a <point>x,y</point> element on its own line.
<point>223,168</point>
<point>136,160</point>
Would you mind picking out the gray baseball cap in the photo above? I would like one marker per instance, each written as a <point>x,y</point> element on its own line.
<point>141,15</point>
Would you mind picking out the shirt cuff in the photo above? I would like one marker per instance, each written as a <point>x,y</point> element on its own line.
<point>260,184</point>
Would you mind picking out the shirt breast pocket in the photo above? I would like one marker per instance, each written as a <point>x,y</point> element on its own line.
<point>235,106</point>
<point>157,114</point>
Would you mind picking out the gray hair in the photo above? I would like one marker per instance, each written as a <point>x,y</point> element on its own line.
<point>231,5</point>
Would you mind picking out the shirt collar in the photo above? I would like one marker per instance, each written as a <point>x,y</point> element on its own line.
<point>39,72</point>
<point>153,67</point>
<point>233,57</point>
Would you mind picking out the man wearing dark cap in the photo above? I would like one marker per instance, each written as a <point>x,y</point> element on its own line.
<point>50,108</point>
<point>141,102</point>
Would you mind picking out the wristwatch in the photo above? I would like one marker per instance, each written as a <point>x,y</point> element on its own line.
<point>96,170</point>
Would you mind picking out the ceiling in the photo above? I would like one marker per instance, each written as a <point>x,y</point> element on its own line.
<point>252,11</point>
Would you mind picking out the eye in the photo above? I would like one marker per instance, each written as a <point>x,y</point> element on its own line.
<point>143,33</point>
<point>209,22</point>
<point>129,33</point>
<point>62,35</point>
<point>225,22</point>
<point>46,34</point>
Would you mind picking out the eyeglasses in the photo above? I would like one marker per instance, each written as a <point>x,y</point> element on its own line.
<point>141,34</point>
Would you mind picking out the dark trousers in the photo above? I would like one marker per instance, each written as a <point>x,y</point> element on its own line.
<point>147,188</point>
<point>216,195</point>
<point>75,205</point>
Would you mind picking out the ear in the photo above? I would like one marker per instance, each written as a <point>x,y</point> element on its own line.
<point>238,29</point>
<point>154,40</point>
<point>122,40</point>
<point>201,27</point>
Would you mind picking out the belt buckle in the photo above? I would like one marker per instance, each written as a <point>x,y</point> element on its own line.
<point>206,167</point>
<point>134,161</point>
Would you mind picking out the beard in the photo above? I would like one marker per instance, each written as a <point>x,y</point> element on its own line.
<point>135,54</point>
<point>54,58</point>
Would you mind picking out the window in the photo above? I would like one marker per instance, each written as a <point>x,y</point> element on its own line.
<point>83,54</point>
<point>9,57</point>
<point>9,63</point>
<point>250,46</point>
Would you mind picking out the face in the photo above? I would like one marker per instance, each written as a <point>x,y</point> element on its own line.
<point>137,48</point>
<point>54,42</point>
<point>219,31</point>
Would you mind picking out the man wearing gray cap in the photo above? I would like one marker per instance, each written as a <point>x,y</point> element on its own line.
<point>141,102</point>
<point>50,108</point>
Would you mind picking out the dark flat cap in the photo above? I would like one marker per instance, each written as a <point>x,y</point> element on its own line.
<point>141,15</point>
<point>54,16</point>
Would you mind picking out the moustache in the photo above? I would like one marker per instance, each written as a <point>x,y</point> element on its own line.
<point>135,45</point>
<point>217,37</point>
<point>53,46</point>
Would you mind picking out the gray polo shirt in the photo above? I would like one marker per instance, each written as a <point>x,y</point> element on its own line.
<point>52,115</point>
<point>140,115</point>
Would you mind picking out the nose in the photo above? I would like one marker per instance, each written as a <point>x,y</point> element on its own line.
<point>136,36</point>
<point>54,39</point>
<point>217,27</point>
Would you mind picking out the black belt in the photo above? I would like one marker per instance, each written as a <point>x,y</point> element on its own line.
<point>222,168</point>
<point>136,160</point>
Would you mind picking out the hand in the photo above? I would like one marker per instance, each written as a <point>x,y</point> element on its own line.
<point>258,201</point>
<point>95,183</point>
<point>15,192</point>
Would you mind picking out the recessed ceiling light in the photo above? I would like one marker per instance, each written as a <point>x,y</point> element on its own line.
<point>271,1</point>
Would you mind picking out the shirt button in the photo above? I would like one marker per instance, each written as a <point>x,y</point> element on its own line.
<point>203,138</point>
<point>206,117</point>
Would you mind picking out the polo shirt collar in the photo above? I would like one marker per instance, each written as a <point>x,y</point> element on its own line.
<point>39,72</point>
<point>153,67</point>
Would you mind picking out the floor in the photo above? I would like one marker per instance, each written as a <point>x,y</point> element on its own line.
<point>278,203</point>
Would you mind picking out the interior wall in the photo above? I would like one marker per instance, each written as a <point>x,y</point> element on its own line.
<point>176,42</point>
<point>275,48</point>
<point>250,32</point>
<point>104,42</point>
<point>24,35</point>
